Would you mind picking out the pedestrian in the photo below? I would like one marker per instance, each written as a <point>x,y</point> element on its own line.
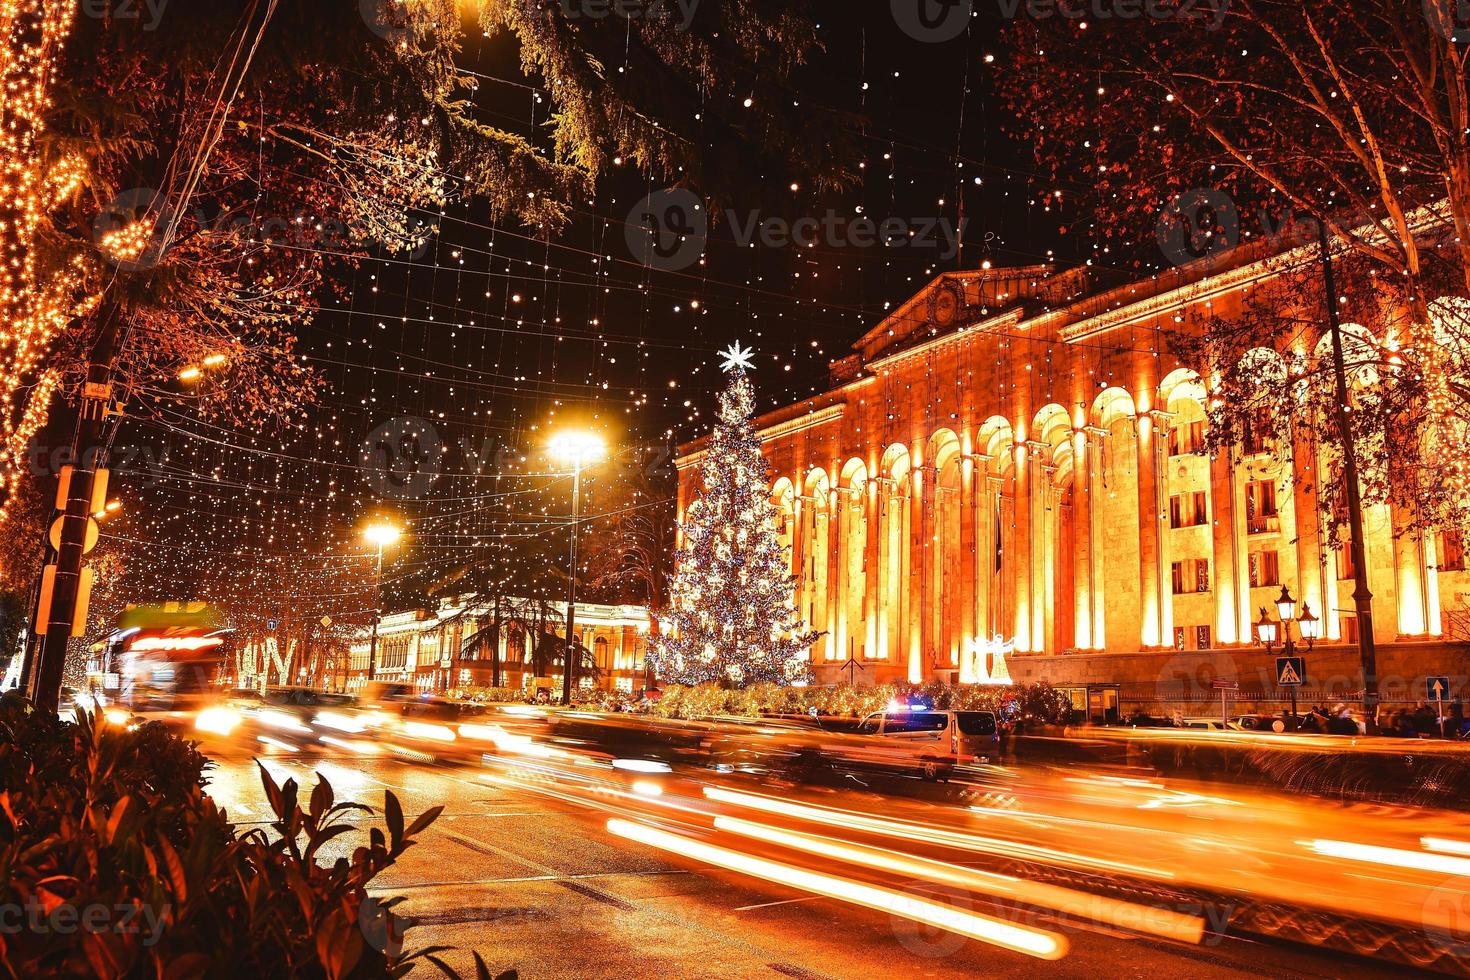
<point>1454,722</point>
<point>1426,721</point>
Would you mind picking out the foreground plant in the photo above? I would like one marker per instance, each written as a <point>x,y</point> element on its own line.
<point>119,864</point>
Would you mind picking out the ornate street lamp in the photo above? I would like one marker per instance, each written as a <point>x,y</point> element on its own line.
<point>1267,632</point>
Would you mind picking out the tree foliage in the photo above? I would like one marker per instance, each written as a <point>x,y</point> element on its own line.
<point>202,178</point>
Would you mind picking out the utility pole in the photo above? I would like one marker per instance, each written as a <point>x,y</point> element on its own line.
<point>1362,596</point>
<point>61,607</point>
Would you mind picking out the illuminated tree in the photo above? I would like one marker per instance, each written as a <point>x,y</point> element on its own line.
<point>195,184</point>
<point>731,618</point>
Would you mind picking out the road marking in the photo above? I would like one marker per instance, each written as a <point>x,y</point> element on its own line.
<point>390,889</point>
<point>787,901</point>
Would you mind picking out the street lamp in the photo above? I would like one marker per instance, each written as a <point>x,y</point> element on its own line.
<point>381,535</point>
<point>1267,632</point>
<point>576,449</point>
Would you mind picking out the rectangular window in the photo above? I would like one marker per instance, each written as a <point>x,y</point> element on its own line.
<point>1345,567</point>
<point>1202,637</point>
<point>1260,507</point>
<point>1186,438</point>
<point>1451,552</point>
<point>1191,575</point>
<point>1187,509</point>
<point>1258,432</point>
<point>1179,638</point>
<point>1264,570</point>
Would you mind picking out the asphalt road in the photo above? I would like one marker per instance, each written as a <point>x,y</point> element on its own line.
<point>539,885</point>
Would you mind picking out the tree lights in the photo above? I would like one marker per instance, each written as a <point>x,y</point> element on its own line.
<point>730,618</point>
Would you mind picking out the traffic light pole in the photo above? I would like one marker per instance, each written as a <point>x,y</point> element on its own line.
<point>58,615</point>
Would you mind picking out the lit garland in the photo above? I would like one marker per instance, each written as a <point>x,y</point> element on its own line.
<point>730,618</point>
<point>34,33</point>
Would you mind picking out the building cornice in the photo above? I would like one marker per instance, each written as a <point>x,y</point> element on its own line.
<point>770,433</point>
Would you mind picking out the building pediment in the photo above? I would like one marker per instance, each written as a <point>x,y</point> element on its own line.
<point>955,300</point>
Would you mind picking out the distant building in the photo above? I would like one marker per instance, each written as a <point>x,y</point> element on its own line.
<point>427,649</point>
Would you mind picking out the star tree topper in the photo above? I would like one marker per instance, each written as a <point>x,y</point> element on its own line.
<point>738,359</point>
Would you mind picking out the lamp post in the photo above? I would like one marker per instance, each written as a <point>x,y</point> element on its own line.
<point>381,535</point>
<point>577,450</point>
<point>1267,632</point>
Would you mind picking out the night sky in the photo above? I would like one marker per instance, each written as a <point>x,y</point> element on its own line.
<point>497,333</point>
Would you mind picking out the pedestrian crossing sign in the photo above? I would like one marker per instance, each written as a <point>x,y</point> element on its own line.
<point>1290,671</point>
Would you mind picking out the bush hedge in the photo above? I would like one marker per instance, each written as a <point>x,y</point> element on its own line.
<point>1040,701</point>
<point>115,862</point>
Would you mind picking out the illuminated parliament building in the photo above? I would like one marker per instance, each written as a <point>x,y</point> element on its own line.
<point>1005,481</point>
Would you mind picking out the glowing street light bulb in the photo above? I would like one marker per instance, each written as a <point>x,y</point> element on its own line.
<point>381,535</point>
<point>576,448</point>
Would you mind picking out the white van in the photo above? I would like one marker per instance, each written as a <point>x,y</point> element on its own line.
<point>936,740</point>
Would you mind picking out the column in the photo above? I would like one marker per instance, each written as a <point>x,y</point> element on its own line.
<point>836,641</point>
<point>1232,593</point>
<point>871,568</point>
<point>1022,538</point>
<point>970,474</point>
<point>1096,575</point>
<point>913,596</point>
<point>1408,565</point>
<point>1150,544</point>
<point>1081,541</point>
<point>985,545</point>
<point>1049,576</point>
<point>1165,578</point>
<point>1306,507</point>
<point>1036,554</point>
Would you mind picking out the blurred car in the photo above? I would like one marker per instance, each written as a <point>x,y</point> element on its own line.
<point>1211,725</point>
<point>936,740</point>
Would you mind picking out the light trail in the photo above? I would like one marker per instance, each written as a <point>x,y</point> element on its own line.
<point>913,831</point>
<point>1033,942</point>
<point>1394,857</point>
<point>1077,905</point>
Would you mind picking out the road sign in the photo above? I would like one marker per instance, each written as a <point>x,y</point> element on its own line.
<point>1224,684</point>
<point>1438,688</point>
<point>1290,671</point>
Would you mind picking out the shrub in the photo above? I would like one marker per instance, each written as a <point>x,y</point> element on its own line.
<point>1040,701</point>
<point>109,837</point>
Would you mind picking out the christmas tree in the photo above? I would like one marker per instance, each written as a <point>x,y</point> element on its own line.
<point>731,618</point>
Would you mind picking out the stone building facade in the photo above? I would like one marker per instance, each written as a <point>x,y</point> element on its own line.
<point>424,648</point>
<point>1005,481</point>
